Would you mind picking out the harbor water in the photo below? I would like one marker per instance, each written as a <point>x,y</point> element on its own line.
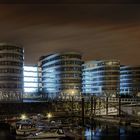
<point>96,131</point>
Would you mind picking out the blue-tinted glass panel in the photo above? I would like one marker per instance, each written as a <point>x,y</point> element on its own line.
<point>30,68</point>
<point>30,79</point>
<point>30,84</point>
<point>30,74</point>
<point>30,89</point>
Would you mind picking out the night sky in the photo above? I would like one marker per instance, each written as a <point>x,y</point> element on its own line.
<point>98,31</point>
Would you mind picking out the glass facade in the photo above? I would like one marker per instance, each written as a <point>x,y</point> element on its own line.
<point>130,81</point>
<point>61,74</point>
<point>31,81</point>
<point>101,78</point>
<point>11,72</point>
<point>65,74</point>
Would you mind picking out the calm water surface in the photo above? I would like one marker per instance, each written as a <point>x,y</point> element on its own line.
<point>97,131</point>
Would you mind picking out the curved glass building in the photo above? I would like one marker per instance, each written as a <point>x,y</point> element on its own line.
<point>11,72</point>
<point>101,78</point>
<point>130,81</point>
<point>61,74</point>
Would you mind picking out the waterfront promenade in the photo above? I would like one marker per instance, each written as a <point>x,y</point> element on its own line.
<point>124,110</point>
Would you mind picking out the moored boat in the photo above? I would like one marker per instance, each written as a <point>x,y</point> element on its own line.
<point>25,128</point>
<point>50,133</point>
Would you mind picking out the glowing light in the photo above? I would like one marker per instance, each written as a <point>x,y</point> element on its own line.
<point>72,93</point>
<point>49,115</point>
<point>23,117</point>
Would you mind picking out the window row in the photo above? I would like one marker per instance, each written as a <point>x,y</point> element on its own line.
<point>8,70</point>
<point>130,77</point>
<point>14,48</point>
<point>11,85</point>
<point>62,69</point>
<point>11,55</point>
<point>62,57</point>
<point>71,75</point>
<point>31,79</point>
<point>130,81</point>
<point>54,77</point>
<point>30,89</point>
<point>110,88</point>
<point>106,83</point>
<point>50,90</point>
<point>30,84</point>
<point>63,87</point>
<point>108,63</point>
<point>132,89</point>
<point>105,78</point>
<point>105,73</point>
<point>130,85</point>
<point>31,68</point>
<point>10,78</point>
<point>71,81</point>
<point>129,68</point>
<point>104,88</point>
<point>30,74</point>
<point>11,63</point>
<point>59,82</point>
<point>68,69</point>
<point>68,62</point>
<point>101,73</point>
<point>103,68</point>
<point>131,72</point>
<point>66,75</point>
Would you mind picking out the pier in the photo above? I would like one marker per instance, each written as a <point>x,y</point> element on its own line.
<point>120,110</point>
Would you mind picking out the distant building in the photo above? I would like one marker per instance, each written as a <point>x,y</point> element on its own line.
<point>61,74</point>
<point>31,81</point>
<point>11,72</point>
<point>101,78</point>
<point>130,81</point>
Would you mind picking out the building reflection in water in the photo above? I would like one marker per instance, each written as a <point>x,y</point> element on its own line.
<point>111,132</point>
<point>93,134</point>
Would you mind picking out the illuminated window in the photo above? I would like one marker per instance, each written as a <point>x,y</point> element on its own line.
<point>30,68</point>
<point>30,74</point>
<point>30,79</point>
<point>30,89</point>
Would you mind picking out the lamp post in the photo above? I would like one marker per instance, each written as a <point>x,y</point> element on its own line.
<point>49,116</point>
<point>72,96</point>
<point>83,111</point>
<point>23,117</point>
<point>119,104</point>
<point>107,105</point>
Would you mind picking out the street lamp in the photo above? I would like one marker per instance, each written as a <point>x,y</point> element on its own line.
<point>72,93</point>
<point>23,117</point>
<point>49,115</point>
<point>72,96</point>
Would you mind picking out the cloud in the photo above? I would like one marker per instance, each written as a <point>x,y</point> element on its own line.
<point>97,31</point>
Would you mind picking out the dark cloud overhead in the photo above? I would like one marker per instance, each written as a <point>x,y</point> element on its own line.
<point>70,1</point>
<point>97,31</point>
